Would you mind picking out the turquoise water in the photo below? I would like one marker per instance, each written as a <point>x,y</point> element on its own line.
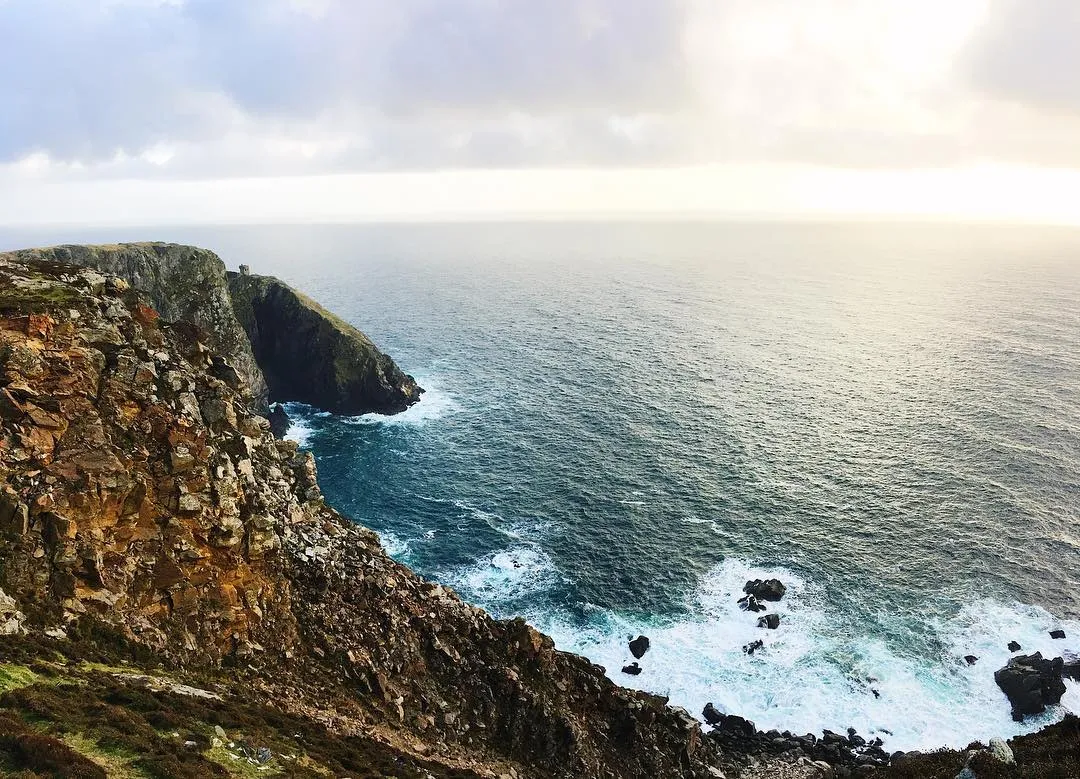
<point>625,422</point>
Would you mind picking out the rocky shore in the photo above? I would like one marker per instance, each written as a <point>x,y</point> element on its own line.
<point>177,599</point>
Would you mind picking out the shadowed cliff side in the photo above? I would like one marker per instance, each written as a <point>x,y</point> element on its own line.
<point>310,355</point>
<point>183,283</point>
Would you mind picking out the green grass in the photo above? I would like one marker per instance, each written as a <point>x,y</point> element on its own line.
<point>118,763</point>
<point>13,676</point>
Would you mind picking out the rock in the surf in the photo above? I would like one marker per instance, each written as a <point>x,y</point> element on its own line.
<point>750,603</point>
<point>1014,646</point>
<point>769,589</point>
<point>1057,634</point>
<point>753,646</point>
<point>711,714</point>
<point>1031,683</point>
<point>770,621</point>
<point>970,659</point>
<point>639,646</point>
<point>633,669</point>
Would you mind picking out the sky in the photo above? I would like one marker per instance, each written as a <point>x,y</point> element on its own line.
<point>174,111</point>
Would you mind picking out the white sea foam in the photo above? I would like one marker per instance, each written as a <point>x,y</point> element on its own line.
<point>395,546</point>
<point>435,403</point>
<point>816,671</point>
<point>300,429</point>
<point>503,578</point>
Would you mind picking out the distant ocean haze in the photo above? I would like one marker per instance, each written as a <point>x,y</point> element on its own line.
<point>626,421</point>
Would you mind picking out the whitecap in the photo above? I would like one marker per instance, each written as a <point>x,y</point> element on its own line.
<point>816,671</point>
<point>435,403</point>
<point>501,580</point>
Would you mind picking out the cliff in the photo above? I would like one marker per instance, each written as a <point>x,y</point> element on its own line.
<point>182,283</point>
<point>150,523</point>
<point>283,345</point>
<point>310,355</point>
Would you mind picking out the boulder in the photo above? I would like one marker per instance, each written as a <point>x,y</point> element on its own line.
<point>639,646</point>
<point>711,714</point>
<point>1057,634</point>
<point>770,621</point>
<point>279,421</point>
<point>633,669</point>
<point>1014,646</point>
<point>1031,683</point>
<point>970,659</point>
<point>1000,751</point>
<point>768,589</point>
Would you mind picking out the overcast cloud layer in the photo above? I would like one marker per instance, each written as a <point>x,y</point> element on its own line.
<point>218,88</point>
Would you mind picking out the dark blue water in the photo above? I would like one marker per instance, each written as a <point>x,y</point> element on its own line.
<point>625,422</point>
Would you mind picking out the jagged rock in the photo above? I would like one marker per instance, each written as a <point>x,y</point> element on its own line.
<point>750,603</point>
<point>309,355</point>
<point>768,589</point>
<point>712,715</point>
<point>1031,683</point>
<point>770,621</point>
<point>639,646</point>
<point>181,283</point>
<point>1014,646</point>
<point>1000,751</point>
<point>279,421</point>
<point>11,619</point>
<point>633,669</point>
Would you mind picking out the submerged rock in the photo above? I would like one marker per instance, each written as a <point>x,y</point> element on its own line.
<point>753,646</point>
<point>769,589</point>
<point>308,354</point>
<point>1031,683</point>
<point>970,659</point>
<point>639,646</point>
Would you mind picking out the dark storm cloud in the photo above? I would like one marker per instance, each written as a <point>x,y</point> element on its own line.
<point>83,81</point>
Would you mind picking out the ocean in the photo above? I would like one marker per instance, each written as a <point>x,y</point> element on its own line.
<point>626,421</point>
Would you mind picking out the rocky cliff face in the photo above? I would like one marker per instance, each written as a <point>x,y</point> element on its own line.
<point>182,283</point>
<point>310,355</point>
<point>140,490</point>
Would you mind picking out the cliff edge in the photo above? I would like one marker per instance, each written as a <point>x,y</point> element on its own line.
<point>171,576</point>
<point>182,283</point>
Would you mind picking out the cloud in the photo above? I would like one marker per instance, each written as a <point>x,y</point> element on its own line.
<point>1028,53</point>
<point>358,81</point>
<point>225,88</point>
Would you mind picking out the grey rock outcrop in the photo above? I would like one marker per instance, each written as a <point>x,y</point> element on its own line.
<point>183,283</point>
<point>309,355</point>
